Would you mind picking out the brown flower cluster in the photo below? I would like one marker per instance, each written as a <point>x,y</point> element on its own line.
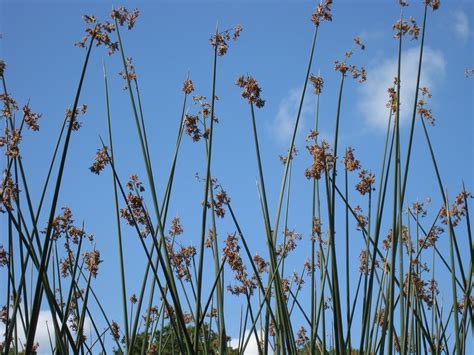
<point>419,209</point>
<point>8,192</point>
<point>181,260</point>
<point>232,253</point>
<point>261,264</point>
<point>188,86</point>
<point>434,4</point>
<point>135,213</point>
<point>318,83</point>
<point>219,40</point>
<point>361,218</point>
<point>11,139</point>
<point>284,158</point>
<point>403,27</point>
<point>350,162</point>
<point>301,337</point>
<point>358,41</point>
<point>392,99</point>
<point>424,112</point>
<point>122,16</point>
<point>430,240</point>
<point>100,32</point>
<point>9,105</point>
<point>289,244</point>
<point>424,290</point>
<point>79,111</point>
<point>251,90</point>
<point>31,118</point>
<point>115,330</point>
<point>458,209</point>
<point>176,227</point>
<point>101,161</point>
<point>323,160</point>
<point>92,261</point>
<point>191,127</point>
<point>322,12</point>
<point>367,179</point>
<point>4,258</point>
<point>130,73</point>
<point>316,231</point>
<point>356,73</point>
<point>220,201</point>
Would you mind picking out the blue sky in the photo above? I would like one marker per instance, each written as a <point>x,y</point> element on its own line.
<point>169,40</point>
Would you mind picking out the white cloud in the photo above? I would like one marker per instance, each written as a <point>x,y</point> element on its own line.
<point>45,321</point>
<point>252,347</point>
<point>461,25</point>
<point>283,124</point>
<point>374,96</point>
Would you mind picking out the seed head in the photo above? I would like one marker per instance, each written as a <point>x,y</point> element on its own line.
<point>317,82</point>
<point>251,90</point>
<point>101,161</point>
<point>188,86</point>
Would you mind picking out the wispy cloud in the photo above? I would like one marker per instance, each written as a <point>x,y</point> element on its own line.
<point>374,96</point>
<point>461,25</point>
<point>283,124</point>
<point>45,323</point>
<point>252,347</point>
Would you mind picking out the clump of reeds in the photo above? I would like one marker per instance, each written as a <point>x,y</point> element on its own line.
<point>395,305</point>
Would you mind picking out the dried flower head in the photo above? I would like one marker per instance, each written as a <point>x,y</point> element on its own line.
<point>358,41</point>
<point>323,160</point>
<point>176,227</point>
<point>92,261</point>
<point>135,213</point>
<point>284,158</point>
<point>357,73</point>
<point>98,32</point>
<point>458,209</point>
<point>251,90</point>
<point>9,105</point>
<point>350,162</point>
<point>8,192</point>
<point>301,337</point>
<point>220,201</point>
<point>122,16</point>
<point>367,179</point>
<point>317,82</point>
<point>101,161</point>
<point>424,112</point>
<point>2,67</point>
<point>361,218</point>
<point>392,97</point>
<point>4,258</point>
<point>402,27</point>
<point>289,243</point>
<point>191,127</point>
<point>31,118</point>
<point>115,330</point>
<point>434,4</point>
<point>219,40</point>
<point>12,140</point>
<point>76,125</point>
<point>188,86</point>
<point>322,12</point>
<point>261,264</point>
<point>128,74</point>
